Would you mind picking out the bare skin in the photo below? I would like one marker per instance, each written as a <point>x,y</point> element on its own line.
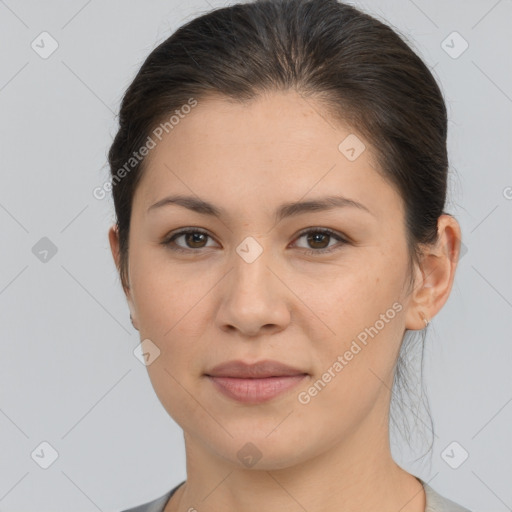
<point>208,305</point>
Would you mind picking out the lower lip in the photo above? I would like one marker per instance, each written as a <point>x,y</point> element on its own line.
<point>255,391</point>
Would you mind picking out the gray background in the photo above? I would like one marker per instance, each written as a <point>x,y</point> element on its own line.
<point>68,375</point>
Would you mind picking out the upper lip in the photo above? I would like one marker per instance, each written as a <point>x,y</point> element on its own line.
<point>261,369</point>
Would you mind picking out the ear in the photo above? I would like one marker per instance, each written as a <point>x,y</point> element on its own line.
<point>113,237</point>
<point>435,274</point>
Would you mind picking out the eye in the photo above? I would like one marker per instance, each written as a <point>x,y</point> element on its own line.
<point>193,239</point>
<point>319,239</point>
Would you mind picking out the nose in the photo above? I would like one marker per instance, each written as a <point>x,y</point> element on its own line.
<point>254,298</point>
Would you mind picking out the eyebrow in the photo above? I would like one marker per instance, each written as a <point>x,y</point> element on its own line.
<point>285,210</point>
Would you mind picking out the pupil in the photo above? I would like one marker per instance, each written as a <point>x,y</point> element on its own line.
<point>316,238</point>
<point>195,237</point>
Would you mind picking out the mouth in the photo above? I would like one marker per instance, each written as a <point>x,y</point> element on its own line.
<point>254,383</point>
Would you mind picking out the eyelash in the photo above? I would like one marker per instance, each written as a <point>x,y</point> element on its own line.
<point>324,231</point>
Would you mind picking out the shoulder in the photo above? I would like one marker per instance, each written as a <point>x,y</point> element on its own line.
<point>157,505</point>
<point>437,503</point>
<point>434,502</point>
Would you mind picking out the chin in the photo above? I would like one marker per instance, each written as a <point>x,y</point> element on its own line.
<point>261,451</point>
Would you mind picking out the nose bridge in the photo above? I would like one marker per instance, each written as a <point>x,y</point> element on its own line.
<point>252,298</point>
<point>251,275</point>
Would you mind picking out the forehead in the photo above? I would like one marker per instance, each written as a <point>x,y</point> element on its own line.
<point>277,121</point>
<point>279,143</point>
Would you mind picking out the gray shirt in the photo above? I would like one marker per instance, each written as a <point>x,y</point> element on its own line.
<point>434,502</point>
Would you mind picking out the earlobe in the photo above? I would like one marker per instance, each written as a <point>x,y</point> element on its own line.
<point>133,319</point>
<point>435,274</point>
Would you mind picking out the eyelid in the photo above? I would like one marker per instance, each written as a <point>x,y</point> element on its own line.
<point>342,240</point>
<point>168,239</point>
<point>320,229</point>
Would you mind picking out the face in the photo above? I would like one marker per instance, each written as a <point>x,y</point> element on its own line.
<point>322,290</point>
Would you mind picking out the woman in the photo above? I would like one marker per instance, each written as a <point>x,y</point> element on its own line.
<point>279,179</point>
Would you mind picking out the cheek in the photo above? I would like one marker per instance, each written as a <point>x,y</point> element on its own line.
<point>354,369</point>
<point>351,299</point>
<point>366,313</point>
<point>171,306</point>
<point>172,389</point>
<point>164,293</point>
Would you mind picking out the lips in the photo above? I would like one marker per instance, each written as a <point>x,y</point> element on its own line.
<point>259,370</point>
<point>254,383</point>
